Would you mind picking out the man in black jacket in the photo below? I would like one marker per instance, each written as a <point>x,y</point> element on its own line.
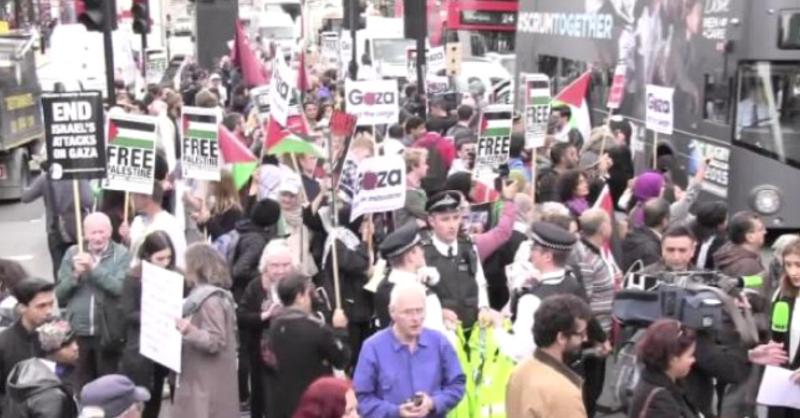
<point>37,387</point>
<point>299,347</point>
<point>254,233</point>
<point>36,303</point>
<point>644,243</point>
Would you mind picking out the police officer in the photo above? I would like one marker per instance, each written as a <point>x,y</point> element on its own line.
<point>462,288</point>
<point>406,259</point>
<point>549,252</point>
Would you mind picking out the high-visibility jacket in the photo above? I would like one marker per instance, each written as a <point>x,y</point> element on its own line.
<point>487,371</point>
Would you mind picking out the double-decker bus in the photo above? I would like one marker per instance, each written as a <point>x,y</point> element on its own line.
<point>481,26</point>
<point>735,69</point>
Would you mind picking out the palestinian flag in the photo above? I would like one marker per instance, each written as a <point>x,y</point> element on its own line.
<point>275,132</point>
<point>130,153</point>
<point>574,95</point>
<point>236,153</point>
<point>199,144</point>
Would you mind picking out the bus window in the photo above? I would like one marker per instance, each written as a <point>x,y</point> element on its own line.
<point>768,110</point>
<point>716,93</point>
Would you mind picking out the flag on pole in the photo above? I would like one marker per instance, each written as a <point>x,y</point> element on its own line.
<point>234,152</point>
<point>275,132</point>
<point>574,95</point>
<point>302,73</point>
<point>253,71</point>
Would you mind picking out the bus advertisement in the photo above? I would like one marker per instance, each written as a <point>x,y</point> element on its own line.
<point>734,66</point>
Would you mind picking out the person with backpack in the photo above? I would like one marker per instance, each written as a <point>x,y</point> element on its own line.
<point>667,352</point>
<point>247,241</point>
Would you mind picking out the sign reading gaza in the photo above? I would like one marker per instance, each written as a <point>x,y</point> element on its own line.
<point>200,157</point>
<point>131,153</point>
<point>381,185</point>
<point>373,102</point>
<point>659,113</point>
<point>74,135</point>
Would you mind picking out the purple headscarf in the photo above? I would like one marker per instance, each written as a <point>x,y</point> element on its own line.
<point>645,187</point>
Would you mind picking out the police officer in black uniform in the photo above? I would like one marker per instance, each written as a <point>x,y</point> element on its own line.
<point>462,287</point>
<point>403,252</point>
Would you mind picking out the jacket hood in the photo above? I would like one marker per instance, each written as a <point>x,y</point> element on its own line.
<point>730,254</point>
<point>29,377</point>
<point>247,225</point>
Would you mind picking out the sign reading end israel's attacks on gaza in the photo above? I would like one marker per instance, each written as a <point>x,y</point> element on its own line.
<point>74,135</point>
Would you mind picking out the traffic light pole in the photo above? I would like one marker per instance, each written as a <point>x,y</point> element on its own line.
<point>144,55</point>
<point>108,51</point>
<point>353,70</point>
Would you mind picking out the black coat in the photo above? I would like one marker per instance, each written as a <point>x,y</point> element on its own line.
<point>669,402</point>
<point>35,391</point>
<point>16,344</point>
<point>725,364</point>
<point>252,240</point>
<point>353,266</point>
<point>248,316</point>
<point>640,244</point>
<point>494,268</point>
<point>299,348</point>
<point>219,224</point>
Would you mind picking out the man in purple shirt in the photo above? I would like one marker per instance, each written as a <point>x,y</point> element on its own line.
<point>405,370</point>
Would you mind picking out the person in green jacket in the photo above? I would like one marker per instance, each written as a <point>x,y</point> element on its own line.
<point>89,286</point>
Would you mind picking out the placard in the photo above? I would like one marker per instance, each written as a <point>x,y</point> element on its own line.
<point>131,153</point>
<point>537,108</point>
<point>260,97</point>
<point>380,185</point>
<point>280,94</point>
<point>659,112</point>
<point>329,48</point>
<point>73,124</point>
<point>436,60</point>
<point>436,84</point>
<point>617,91</point>
<point>199,143</point>
<point>494,143</point>
<point>162,306</point>
<point>373,102</point>
<point>156,65</point>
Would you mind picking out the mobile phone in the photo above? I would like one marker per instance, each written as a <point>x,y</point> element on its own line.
<point>417,400</point>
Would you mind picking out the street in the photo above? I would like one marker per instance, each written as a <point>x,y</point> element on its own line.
<point>24,238</point>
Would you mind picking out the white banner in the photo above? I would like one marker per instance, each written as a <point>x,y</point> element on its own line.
<point>380,185</point>
<point>200,158</point>
<point>436,60</point>
<point>162,305</point>
<point>374,102</point>
<point>281,90</point>
<point>131,153</point>
<point>659,113</point>
<point>330,48</point>
<point>435,84</point>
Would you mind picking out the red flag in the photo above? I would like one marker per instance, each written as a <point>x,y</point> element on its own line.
<point>253,71</point>
<point>232,149</point>
<point>575,92</point>
<point>605,201</point>
<point>342,124</point>
<point>302,74</point>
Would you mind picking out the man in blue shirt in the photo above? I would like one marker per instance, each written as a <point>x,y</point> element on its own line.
<point>405,370</point>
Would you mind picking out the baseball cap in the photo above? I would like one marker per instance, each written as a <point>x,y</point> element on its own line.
<point>114,393</point>
<point>290,184</point>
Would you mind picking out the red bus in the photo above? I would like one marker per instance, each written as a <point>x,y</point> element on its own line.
<point>480,25</point>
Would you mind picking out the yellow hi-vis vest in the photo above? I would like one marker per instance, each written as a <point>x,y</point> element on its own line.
<point>487,371</point>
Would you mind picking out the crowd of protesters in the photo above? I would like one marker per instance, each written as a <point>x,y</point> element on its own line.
<point>473,298</point>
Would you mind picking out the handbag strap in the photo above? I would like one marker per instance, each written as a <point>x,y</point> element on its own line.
<point>648,401</point>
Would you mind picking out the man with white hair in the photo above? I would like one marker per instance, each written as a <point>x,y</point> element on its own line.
<point>407,370</point>
<point>89,285</point>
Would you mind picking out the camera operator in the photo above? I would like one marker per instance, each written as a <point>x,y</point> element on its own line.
<point>722,354</point>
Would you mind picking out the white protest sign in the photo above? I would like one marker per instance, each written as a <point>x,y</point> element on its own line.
<point>659,112</point>
<point>436,59</point>
<point>131,153</point>
<point>280,94</point>
<point>380,185</point>
<point>345,51</point>
<point>200,143</point>
<point>537,108</point>
<point>260,97</point>
<point>435,84</point>
<point>330,48</point>
<point>156,65</point>
<point>494,143</point>
<point>374,102</point>
<point>162,304</point>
